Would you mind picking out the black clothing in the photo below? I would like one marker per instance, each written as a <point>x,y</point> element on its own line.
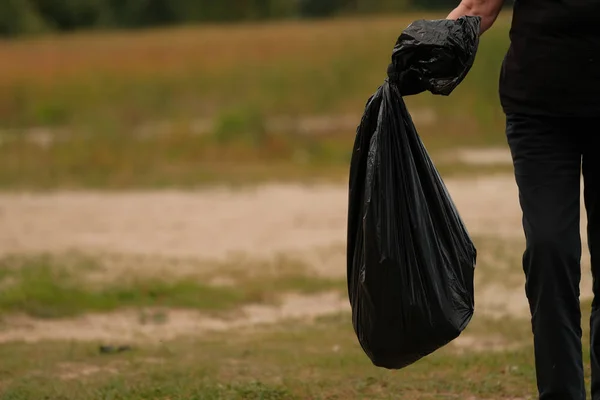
<point>553,64</point>
<point>549,154</point>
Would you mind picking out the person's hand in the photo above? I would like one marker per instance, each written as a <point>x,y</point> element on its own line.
<point>488,10</point>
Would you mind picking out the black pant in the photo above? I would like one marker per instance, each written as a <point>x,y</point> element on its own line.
<point>549,154</point>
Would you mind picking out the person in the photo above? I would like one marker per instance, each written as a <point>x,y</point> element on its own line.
<point>549,91</point>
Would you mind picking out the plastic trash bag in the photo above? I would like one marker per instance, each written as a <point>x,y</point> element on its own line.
<point>410,258</point>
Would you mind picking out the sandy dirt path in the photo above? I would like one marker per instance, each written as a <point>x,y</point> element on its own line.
<point>218,223</point>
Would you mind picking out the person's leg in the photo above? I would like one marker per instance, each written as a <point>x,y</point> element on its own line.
<point>591,174</point>
<point>547,163</point>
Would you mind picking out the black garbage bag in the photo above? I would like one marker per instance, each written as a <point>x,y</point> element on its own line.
<point>410,259</point>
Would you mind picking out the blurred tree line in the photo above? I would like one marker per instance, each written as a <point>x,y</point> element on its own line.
<point>36,16</point>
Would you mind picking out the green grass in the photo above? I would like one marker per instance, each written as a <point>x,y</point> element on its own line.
<point>181,160</point>
<point>184,161</point>
<point>94,92</point>
<point>318,360</point>
<point>281,68</point>
<point>51,287</point>
<point>290,361</point>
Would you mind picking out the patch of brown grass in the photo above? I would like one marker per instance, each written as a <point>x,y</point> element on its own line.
<point>169,51</point>
<point>102,88</point>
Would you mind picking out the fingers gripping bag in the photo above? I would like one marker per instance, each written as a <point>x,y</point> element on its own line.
<point>410,259</point>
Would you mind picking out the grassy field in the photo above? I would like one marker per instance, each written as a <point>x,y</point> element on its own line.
<point>316,358</point>
<point>286,358</point>
<point>319,360</point>
<point>84,316</point>
<point>230,294</point>
<point>192,105</point>
<point>53,287</point>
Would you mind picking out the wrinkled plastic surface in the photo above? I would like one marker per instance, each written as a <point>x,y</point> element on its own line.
<point>434,56</point>
<point>410,259</point>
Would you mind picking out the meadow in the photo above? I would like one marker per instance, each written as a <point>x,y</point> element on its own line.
<point>173,216</point>
<point>186,106</point>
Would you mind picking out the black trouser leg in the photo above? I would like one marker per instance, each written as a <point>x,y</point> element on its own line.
<point>591,176</point>
<point>547,161</point>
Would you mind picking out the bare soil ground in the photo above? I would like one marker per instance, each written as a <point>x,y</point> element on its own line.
<point>307,222</point>
<point>220,223</point>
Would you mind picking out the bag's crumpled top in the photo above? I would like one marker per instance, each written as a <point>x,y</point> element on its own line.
<point>434,55</point>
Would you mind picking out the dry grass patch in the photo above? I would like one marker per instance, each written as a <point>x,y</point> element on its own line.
<point>292,360</point>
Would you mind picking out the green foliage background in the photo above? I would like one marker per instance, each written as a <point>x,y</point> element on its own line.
<point>36,16</point>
